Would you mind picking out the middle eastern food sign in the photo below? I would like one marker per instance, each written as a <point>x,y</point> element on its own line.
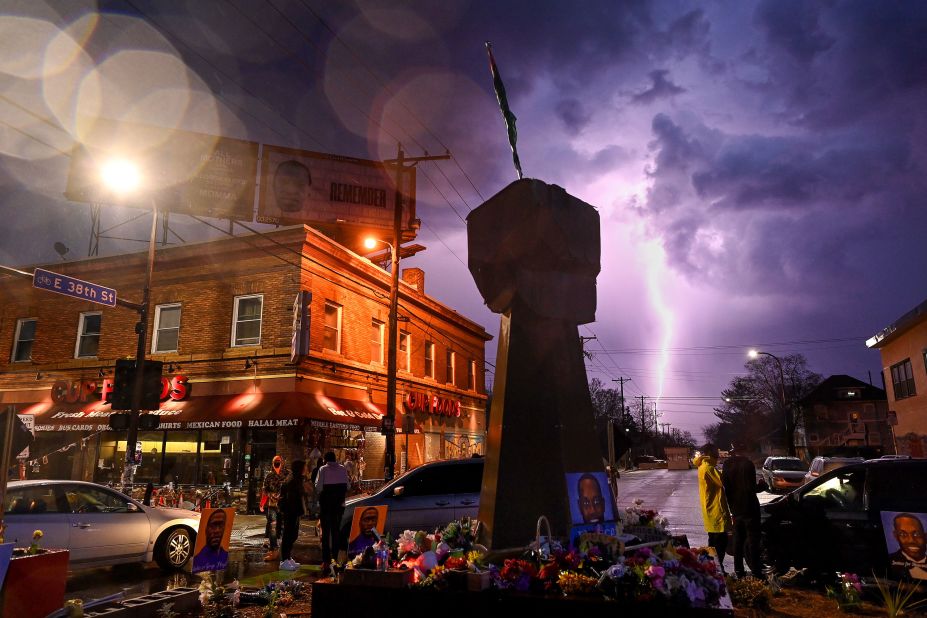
<point>300,186</point>
<point>182,171</point>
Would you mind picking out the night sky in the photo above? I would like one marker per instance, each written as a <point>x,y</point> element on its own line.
<point>759,167</point>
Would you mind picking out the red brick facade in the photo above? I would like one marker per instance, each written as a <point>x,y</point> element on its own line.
<point>204,279</point>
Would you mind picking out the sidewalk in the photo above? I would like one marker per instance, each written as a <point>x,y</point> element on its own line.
<point>248,533</point>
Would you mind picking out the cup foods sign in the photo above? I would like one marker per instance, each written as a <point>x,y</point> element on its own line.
<point>421,402</point>
<point>175,388</point>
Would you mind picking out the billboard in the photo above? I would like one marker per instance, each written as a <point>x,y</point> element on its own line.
<point>300,186</point>
<point>184,172</point>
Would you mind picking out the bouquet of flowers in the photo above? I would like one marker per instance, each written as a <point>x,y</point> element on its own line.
<point>846,592</point>
<point>680,577</point>
<point>219,601</point>
<point>637,515</point>
<point>515,574</point>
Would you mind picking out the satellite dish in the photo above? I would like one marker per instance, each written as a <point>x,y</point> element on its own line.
<point>61,249</point>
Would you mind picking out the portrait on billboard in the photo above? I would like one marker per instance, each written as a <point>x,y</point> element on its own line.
<point>905,543</point>
<point>366,526</point>
<point>590,496</point>
<point>292,181</point>
<point>301,186</point>
<point>211,552</point>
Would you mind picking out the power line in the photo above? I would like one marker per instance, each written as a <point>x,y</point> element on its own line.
<point>389,91</point>
<point>739,346</point>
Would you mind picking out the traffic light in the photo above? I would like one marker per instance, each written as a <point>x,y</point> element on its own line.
<point>151,385</point>
<point>149,422</point>
<point>387,425</point>
<point>119,421</point>
<point>124,385</point>
<point>123,382</point>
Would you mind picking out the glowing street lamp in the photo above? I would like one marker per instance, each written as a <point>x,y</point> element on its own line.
<point>391,358</point>
<point>120,176</point>
<point>789,442</point>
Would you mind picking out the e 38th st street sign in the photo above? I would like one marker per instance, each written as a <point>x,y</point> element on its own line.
<point>75,288</point>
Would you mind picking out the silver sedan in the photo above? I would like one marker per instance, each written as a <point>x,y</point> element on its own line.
<point>98,525</point>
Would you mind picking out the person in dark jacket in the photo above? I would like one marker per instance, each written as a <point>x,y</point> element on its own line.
<point>291,510</point>
<point>331,486</point>
<point>741,487</point>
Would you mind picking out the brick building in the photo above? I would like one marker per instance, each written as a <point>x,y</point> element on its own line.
<point>843,415</point>
<point>222,322</point>
<point>903,346</point>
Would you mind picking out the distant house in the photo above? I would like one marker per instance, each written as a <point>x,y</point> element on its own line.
<point>903,345</point>
<point>845,416</point>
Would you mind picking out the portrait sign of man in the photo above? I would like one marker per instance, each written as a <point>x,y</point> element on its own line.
<point>905,531</point>
<point>366,525</point>
<point>291,186</point>
<point>212,540</point>
<point>590,498</point>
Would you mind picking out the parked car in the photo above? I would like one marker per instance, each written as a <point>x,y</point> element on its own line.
<point>820,465</point>
<point>783,473</point>
<point>425,497</point>
<point>99,525</point>
<point>835,523</point>
<point>648,461</point>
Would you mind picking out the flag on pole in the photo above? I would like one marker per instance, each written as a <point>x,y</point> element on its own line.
<point>507,114</point>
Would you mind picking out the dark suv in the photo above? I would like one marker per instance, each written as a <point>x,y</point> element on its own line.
<point>836,522</point>
<point>425,497</point>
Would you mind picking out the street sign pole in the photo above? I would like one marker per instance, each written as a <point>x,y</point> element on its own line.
<point>128,472</point>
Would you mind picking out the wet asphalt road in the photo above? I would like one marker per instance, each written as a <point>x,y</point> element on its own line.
<point>674,493</point>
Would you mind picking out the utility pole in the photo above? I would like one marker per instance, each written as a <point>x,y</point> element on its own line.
<point>611,431</point>
<point>391,359</point>
<point>621,382</point>
<point>664,426</point>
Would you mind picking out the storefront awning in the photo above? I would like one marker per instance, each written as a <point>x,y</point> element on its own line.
<point>268,410</point>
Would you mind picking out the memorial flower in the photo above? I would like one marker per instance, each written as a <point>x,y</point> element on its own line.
<point>34,546</point>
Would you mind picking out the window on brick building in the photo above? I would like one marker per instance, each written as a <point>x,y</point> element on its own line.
<point>166,336</point>
<point>451,361</point>
<point>23,340</point>
<point>88,335</point>
<point>246,320</point>
<point>903,379</point>
<point>471,375</point>
<point>376,341</point>
<point>429,359</point>
<point>332,334</point>
<point>403,361</point>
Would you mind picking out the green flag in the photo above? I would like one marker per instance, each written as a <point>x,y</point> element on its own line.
<point>507,114</point>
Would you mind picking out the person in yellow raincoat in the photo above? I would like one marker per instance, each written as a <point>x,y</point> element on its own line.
<point>715,513</point>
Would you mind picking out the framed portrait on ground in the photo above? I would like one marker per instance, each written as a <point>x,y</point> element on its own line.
<point>591,500</point>
<point>366,526</point>
<point>905,543</point>
<point>211,552</point>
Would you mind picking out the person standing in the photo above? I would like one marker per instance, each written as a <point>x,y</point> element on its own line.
<point>715,514</point>
<point>291,510</point>
<point>331,486</point>
<point>740,488</point>
<point>270,490</point>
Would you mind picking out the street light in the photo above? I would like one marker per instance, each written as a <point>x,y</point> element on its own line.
<point>789,442</point>
<point>390,464</point>
<point>123,177</point>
